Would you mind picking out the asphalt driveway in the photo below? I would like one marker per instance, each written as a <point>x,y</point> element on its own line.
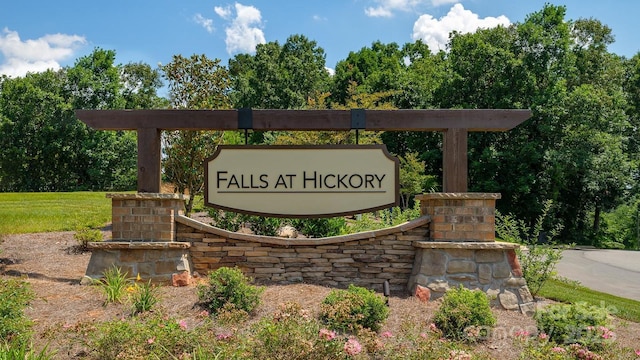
<point>615,272</point>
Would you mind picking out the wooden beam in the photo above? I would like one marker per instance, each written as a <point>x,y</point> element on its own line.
<point>454,161</point>
<point>306,120</point>
<point>149,157</point>
<point>454,123</point>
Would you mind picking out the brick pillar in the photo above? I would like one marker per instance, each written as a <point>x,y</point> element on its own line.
<point>460,217</point>
<point>145,216</point>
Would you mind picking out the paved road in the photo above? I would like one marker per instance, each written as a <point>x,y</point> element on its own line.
<point>615,272</point>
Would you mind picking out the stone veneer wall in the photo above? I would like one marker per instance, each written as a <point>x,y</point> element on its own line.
<point>145,216</point>
<point>491,267</point>
<point>462,251</point>
<point>364,259</point>
<point>460,217</point>
<point>452,243</point>
<point>143,239</point>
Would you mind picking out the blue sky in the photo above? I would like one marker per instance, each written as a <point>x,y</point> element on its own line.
<point>40,34</point>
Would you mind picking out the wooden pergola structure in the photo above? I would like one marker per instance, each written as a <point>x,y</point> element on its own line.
<point>454,124</point>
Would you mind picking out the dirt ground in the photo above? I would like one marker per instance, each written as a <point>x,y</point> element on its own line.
<point>45,260</point>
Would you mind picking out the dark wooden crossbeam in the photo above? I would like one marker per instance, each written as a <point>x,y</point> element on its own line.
<point>305,120</point>
<point>455,124</point>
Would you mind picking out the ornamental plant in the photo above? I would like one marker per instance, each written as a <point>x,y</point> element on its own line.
<point>538,261</point>
<point>143,297</point>
<point>86,236</point>
<point>292,334</point>
<point>15,295</point>
<point>229,285</point>
<point>354,308</point>
<point>464,315</point>
<point>114,284</point>
<point>578,323</point>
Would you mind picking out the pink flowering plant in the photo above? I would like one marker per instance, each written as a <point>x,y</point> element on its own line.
<point>576,323</point>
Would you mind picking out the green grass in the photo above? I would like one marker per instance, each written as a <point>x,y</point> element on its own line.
<point>22,213</point>
<point>572,293</point>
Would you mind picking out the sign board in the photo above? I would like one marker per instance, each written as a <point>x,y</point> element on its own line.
<point>302,181</point>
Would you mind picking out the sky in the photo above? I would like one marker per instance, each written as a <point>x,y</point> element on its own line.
<point>36,35</point>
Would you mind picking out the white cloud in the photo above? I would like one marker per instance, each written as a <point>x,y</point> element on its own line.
<point>223,12</point>
<point>386,8</point>
<point>207,24</point>
<point>35,55</point>
<point>245,30</point>
<point>435,33</point>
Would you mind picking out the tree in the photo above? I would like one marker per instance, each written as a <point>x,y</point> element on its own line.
<point>194,83</point>
<point>372,70</point>
<point>279,77</point>
<point>140,86</point>
<point>45,148</point>
<point>413,180</point>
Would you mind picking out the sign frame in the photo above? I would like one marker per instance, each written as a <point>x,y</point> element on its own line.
<point>381,147</point>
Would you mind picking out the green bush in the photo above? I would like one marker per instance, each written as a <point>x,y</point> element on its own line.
<point>15,295</point>
<point>353,309</point>
<point>24,351</point>
<point>319,227</point>
<point>464,315</point>
<point>114,284</point>
<point>292,334</point>
<point>234,221</point>
<point>151,335</point>
<point>578,323</point>
<point>538,261</point>
<point>85,236</point>
<point>144,297</point>
<point>229,285</point>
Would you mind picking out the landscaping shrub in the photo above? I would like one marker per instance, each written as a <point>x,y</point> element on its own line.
<point>114,284</point>
<point>229,285</point>
<point>143,297</point>
<point>234,221</point>
<point>24,351</point>
<point>86,236</point>
<point>15,295</point>
<point>322,227</point>
<point>293,334</point>
<point>464,315</point>
<point>151,335</point>
<point>354,308</point>
<point>538,261</point>
<point>578,323</point>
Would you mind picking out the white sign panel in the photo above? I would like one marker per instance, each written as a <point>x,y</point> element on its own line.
<point>302,181</point>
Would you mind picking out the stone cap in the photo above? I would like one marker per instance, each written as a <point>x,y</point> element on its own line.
<point>153,196</point>
<point>138,245</point>
<point>471,245</point>
<point>409,225</point>
<point>459,196</point>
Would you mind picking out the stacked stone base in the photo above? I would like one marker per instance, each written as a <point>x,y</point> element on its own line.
<point>158,262</point>
<point>492,267</point>
<point>366,259</point>
<point>451,244</point>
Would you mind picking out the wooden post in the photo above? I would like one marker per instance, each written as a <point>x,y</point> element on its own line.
<point>149,154</point>
<point>454,161</point>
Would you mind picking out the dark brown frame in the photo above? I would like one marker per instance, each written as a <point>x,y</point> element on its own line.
<point>382,147</point>
<point>455,124</point>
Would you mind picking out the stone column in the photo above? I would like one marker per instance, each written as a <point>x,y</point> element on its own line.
<point>143,240</point>
<point>145,216</point>
<point>460,217</point>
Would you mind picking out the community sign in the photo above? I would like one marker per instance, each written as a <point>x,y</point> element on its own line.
<point>302,181</point>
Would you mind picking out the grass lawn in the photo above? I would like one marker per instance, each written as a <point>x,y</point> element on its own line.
<point>22,213</point>
<point>573,293</point>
